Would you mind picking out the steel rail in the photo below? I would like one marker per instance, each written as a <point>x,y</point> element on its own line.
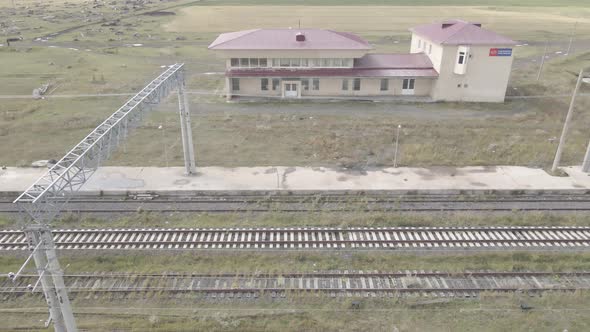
<point>395,238</point>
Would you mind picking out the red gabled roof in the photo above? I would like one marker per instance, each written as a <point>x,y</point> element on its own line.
<point>284,39</point>
<point>458,32</point>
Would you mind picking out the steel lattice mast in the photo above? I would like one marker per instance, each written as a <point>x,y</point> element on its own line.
<point>44,199</point>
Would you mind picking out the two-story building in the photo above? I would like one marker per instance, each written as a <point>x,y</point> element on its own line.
<point>449,61</point>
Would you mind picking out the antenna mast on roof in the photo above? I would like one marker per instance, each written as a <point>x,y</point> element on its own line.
<point>299,23</point>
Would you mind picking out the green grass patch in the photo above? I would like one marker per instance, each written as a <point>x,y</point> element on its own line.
<point>320,219</point>
<point>159,312</point>
<point>277,262</point>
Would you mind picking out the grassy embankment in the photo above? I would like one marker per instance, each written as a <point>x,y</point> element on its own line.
<point>519,132</point>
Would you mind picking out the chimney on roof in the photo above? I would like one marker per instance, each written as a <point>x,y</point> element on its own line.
<point>300,37</point>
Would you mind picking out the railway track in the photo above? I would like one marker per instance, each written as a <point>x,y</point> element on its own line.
<point>334,283</point>
<point>223,203</point>
<point>365,238</point>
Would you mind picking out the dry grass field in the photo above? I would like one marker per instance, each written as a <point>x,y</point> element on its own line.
<point>155,312</point>
<point>98,59</point>
<point>372,21</point>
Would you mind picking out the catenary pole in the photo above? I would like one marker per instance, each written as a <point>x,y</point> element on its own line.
<point>186,131</point>
<point>566,124</point>
<point>41,202</point>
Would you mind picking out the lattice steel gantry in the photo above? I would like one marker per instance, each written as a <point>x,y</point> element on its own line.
<point>43,200</point>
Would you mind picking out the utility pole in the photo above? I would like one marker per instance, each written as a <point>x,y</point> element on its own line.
<point>186,131</point>
<point>569,48</point>
<point>543,60</point>
<point>566,123</point>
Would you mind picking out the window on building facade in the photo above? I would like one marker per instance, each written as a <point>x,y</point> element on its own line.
<point>249,62</point>
<point>235,84</point>
<point>345,84</point>
<point>419,43</point>
<point>305,84</point>
<point>356,84</point>
<point>275,83</point>
<point>408,84</point>
<point>384,84</point>
<point>264,84</point>
<point>461,58</point>
<point>303,62</point>
<point>316,84</point>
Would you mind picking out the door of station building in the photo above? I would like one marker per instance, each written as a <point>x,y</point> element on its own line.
<point>408,86</point>
<point>291,89</point>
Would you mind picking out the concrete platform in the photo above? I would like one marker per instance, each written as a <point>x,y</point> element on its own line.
<point>426,180</point>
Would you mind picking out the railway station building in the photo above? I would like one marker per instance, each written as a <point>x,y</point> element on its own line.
<point>448,61</point>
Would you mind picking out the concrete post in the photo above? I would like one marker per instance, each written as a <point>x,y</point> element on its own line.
<point>566,123</point>
<point>227,89</point>
<point>186,131</point>
<point>586,163</point>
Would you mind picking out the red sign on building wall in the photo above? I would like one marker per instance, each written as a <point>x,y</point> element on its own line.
<point>500,52</point>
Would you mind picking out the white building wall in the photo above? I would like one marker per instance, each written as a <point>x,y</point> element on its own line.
<point>432,50</point>
<point>485,80</point>
<point>332,86</point>
<point>251,86</point>
<point>486,76</point>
